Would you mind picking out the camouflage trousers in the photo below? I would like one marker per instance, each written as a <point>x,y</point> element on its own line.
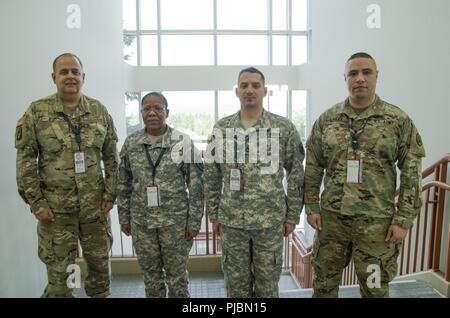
<point>251,261</point>
<point>162,255</point>
<point>57,245</point>
<point>361,238</point>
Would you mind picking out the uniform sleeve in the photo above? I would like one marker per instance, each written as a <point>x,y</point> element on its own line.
<point>110,161</point>
<point>213,181</point>
<point>27,178</point>
<point>293,165</point>
<point>411,152</point>
<point>314,169</point>
<point>195,186</point>
<point>124,187</point>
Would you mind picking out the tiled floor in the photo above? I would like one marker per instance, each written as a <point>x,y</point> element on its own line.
<point>401,289</point>
<point>211,285</point>
<point>201,285</point>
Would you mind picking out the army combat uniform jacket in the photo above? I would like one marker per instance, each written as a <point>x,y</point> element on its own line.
<point>388,139</point>
<point>50,181</point>
<point>262,202</point>
<point>179,178</point>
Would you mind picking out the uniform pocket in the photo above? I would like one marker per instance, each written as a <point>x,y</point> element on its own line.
<point>277,259</point>
<point>334,139</point>
<point>47,137</point>
<point>315,251</point>
<point>389,262</point>
<point>97,135</point>
<point>45,245</point>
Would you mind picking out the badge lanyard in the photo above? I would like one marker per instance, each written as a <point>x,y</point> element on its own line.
<point>79,157</point>
<point>354,164</point>
<point>355,134</point>
<point>153,191</point>
<point>75,129</point>
<point>150,162</point>
<point>236,177</point>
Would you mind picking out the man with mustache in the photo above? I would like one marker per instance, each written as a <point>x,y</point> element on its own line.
<point>359,143</point>
<point>246,199</point>
<point>60,141</point>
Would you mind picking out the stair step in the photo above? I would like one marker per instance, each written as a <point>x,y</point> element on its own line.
<point>401,289</point>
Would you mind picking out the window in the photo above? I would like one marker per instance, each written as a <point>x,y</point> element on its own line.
<point>227,33</point>
<point>196,50</point>
<point>192,113</point>
<point>242,15</point>
<point>170,33</point>
<point>188,15</point>
<point>242,50</point>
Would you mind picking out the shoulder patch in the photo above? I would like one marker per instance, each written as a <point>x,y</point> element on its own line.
<point>419,140</point>
<point>19,133</point>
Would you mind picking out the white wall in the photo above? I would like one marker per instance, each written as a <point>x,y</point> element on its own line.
<point>412,52</point>
<point>32,34</point>
<point>411,49</point>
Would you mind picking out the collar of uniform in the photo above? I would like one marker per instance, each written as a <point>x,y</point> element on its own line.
<point>375,109</point>
<point>163,143</point>
<point>261,122</point>
<point>83,106</point>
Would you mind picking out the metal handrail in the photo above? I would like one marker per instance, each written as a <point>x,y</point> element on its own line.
<point>439,187</point>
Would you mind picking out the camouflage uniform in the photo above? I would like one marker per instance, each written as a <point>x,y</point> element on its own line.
<point>50,182</point>
<point>356,217</point>
<point>252,219</point>
<point>158,232</point>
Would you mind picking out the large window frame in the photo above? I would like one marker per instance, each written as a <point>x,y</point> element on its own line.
<point>276,57</point>
<point>215,32</point>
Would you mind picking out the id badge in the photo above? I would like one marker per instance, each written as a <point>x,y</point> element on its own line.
<point>80,162</point>
<point>236,181</point>
<point>354,170</point>
<point>153,196</point>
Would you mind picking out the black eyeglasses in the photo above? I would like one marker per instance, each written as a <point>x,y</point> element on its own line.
<point>156,109</point>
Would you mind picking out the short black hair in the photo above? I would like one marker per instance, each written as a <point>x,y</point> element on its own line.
<point>252,70</point>
<point>157,94</point>
<point>360,55</point>
<point>66,54</point>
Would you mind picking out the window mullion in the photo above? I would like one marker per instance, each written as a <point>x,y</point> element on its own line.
<point>158,28</point>
<point>270,39</point>
<point>138,31</point>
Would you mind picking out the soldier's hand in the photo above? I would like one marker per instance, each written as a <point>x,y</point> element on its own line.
<point>395,234</point>
<point>315,221</point>
<point>216,228</point>
<point>126,229</point>
<point>45,216</point>
<point>288,228</point>
<point>106,207</point>
<point>189,235</point>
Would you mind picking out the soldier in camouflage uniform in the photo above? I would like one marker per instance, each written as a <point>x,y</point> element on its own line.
<point>69,134</point>
<point>358,143</point>
<point>246,200</point>
<point>160,198</point>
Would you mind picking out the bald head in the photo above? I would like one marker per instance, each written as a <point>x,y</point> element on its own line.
<point>66,55</point>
